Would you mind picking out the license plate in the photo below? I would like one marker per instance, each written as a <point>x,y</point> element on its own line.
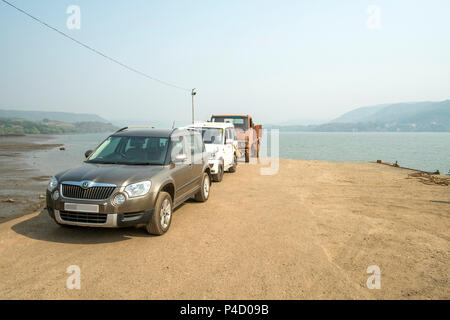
<point>79,207</point>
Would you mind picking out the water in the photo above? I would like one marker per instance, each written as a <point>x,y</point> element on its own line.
<point>50,162</point>
<point>424,151</point>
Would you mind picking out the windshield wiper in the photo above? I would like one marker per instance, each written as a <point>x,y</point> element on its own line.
<point>102,162</point>
<point>126,163</point>
<point>142,163</point>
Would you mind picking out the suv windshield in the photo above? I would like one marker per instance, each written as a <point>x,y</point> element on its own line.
<point>239,122</point>
<point>131,150</point>
<point>212,135</point>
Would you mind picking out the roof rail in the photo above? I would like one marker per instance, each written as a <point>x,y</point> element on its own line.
<point>124,128</point>
<point>134,127</point>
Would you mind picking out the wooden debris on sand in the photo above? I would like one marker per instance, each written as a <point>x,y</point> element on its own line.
<point>427,178</point>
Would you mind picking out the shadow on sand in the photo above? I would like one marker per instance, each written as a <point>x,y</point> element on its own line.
<point>42,227</point>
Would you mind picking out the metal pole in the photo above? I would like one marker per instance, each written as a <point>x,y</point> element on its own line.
<point>193,93</point>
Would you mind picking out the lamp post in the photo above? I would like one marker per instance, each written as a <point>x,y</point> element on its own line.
<point>193,93</point>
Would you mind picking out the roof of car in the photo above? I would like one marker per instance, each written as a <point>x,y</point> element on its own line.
<point>211,125</point>
<point>143,132</point>
<point>231,115</point>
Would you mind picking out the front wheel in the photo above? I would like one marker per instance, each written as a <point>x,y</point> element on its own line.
<point>203,194</point>
<point>218,177</point>
<point>162,216</point>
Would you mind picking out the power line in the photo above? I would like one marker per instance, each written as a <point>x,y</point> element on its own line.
<point>95,50</point>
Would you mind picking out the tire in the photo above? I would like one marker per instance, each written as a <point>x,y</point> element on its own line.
<point>162,216</point>
<point>233,167</point>
<point>203,194</point>
<point>254,151</point>
<point>218,177</point>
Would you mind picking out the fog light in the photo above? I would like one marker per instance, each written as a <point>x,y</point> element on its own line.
<point>119,199</point>
<point>55,195</point>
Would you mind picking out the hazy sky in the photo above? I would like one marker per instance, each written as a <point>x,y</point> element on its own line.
<point>276,60</point>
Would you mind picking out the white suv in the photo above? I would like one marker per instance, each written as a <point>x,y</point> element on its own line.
<point>221,145</point>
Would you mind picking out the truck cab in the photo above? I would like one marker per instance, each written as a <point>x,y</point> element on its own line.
<point>248,134</point>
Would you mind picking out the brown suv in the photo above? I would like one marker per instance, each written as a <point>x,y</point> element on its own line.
<point>134,177</point>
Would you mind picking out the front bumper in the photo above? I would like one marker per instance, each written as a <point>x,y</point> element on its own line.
<point>111,220</point>
<point>214,165</point>
<point>133,212</point>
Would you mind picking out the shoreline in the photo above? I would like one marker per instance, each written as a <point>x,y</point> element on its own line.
<point>26,181</point>
<point>22,182</point>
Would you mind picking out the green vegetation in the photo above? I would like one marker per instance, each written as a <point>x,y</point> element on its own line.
<point>54,115</point>
<point>21,127</point>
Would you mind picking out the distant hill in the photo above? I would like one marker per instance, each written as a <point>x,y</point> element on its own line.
<point>423,113</point>
<point>51,115</point>
<point>21,127</point>
<point>409,117</point>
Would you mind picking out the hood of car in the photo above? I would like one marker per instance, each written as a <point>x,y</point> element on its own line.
<point>119,175</point>
<point>211,147</point>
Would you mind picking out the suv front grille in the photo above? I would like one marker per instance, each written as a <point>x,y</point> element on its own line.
<point>92,193</point>
<point>83,217</point>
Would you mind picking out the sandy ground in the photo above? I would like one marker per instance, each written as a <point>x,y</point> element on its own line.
<point>308,232</point>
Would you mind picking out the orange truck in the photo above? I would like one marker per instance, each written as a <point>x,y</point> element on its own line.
<point>248,134</point>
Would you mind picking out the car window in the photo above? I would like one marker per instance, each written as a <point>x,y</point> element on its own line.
<point>239,122</point>
<point>195,143</point>
<point>107,148</point>
<point>199,145</point>
<point>131,150</point>
<point>178,147</point>
<point>212,135</point>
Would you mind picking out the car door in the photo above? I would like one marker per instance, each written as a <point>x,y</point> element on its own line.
<point>198,153</point>
<point>182,169</point>
<point>228,148</point>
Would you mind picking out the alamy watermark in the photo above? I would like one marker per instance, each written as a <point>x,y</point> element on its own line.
<point>272,158</point>
<point>373,21</point>
<point>263,148</point>
<point>374,281</point>
<point>74,280</point>
<point>74,20</point>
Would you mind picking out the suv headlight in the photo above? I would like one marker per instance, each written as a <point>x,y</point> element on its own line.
<point>52,184</point>
<point>138,189</point>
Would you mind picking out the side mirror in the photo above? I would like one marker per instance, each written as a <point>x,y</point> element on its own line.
<point>88,153</point>
<point>180,158</point>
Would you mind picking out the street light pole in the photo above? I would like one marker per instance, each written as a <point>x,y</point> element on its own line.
<point>193,93</point>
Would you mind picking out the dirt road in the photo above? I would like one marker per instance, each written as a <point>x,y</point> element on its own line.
<point>308,232</point>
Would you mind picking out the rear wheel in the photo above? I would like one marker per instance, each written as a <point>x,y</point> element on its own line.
<point>254,151</point>
<point>203,194</point>
<point>233,167</point>
<point>218,177</point>
<point>162,216</point>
